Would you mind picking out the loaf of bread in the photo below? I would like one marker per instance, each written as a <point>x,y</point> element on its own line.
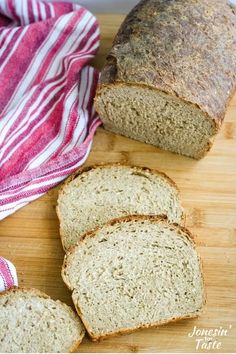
<point>97,194</point>
<point>134,272</point>
<point>31,322</point>
<point>170,74</point>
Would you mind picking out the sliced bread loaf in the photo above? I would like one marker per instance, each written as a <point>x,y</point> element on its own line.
<point>31,322</point>
<point>95,195</point>
<point>170,74</point>
<point>134,272</point>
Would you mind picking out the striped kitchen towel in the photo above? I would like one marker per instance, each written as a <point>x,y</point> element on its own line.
<point>47,118</point>
<point>8,277</point>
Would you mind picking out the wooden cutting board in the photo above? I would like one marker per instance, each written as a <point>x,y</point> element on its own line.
<point>30,237</point>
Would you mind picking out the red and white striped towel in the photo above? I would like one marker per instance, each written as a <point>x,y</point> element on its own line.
<point>47,119</point>
<point>8,277</point>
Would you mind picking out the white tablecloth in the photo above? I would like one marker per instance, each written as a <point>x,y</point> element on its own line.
<point>105,6</point>
<point>109,6</point>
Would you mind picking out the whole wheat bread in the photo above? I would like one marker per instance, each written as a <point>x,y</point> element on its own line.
<point>95,195</point>
<point>31,322</point>
<point>170,74</point>
<point>134,272</point>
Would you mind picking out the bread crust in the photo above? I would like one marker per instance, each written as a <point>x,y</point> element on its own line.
<point>113,164</point>
<point>85,169</point>
<point>155,218</point>
<point>192,57</point>
<point>159,219</point>
<point>129,331</point>
<point>25,290</point>
<point>39,293</point>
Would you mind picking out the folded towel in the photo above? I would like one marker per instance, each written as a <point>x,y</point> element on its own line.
<point>47,119</point>
<point>8,277</point>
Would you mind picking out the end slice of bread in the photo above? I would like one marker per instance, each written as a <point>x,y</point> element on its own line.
<point>31,322</point>
<point>97,194</point>
<point>134,272</point>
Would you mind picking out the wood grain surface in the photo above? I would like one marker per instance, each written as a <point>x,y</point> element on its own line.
<point>30,237</point>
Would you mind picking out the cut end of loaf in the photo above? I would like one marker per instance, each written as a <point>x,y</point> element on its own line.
<point>156,118</point>
<point>147,268</point>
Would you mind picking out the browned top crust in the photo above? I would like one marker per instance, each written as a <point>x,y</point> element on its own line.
<point>85,169</point>
<point>26,291</point>
<point>186,48</point>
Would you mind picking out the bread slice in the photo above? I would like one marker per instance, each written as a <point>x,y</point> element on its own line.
<point>97,194</point>
<point>31,322</point>
<point>134,272</point>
